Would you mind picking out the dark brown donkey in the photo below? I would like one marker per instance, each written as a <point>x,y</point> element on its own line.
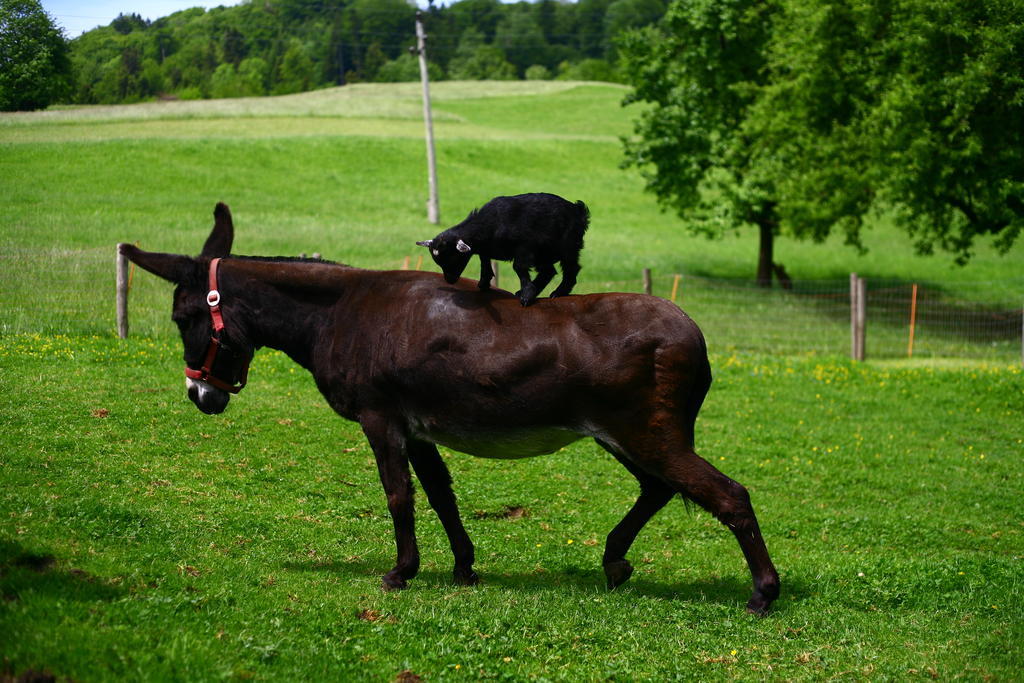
<point>418,362</point>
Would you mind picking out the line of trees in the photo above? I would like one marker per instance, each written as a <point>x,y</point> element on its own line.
<point>284,46</point>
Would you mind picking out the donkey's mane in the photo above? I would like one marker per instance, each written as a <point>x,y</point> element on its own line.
<point>291,259</point>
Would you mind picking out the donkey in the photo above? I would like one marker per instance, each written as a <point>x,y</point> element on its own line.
<point>533,230</point>
<point>419,363</point>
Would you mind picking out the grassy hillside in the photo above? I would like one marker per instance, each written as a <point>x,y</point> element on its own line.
<point>350,163</point>
<point>342,172</point>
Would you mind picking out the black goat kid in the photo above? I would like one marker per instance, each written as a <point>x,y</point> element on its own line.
<point>533,230</point>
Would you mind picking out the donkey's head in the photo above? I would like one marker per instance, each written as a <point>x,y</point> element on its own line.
<point>449,252</point>
<point>217,354</point>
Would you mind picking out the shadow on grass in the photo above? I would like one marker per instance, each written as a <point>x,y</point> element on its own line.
<point>729,591</point>
<point>23,571</point>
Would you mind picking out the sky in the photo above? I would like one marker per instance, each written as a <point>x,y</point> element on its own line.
<point>78,17</point>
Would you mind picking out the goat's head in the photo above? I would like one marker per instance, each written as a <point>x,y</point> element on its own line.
<point>449,252</point>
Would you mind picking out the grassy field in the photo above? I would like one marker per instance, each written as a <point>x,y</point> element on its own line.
<point>342,173</point>
<point>140,539</point>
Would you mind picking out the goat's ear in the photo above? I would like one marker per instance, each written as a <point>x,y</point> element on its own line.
<point>463,247</point>
<point>218,244</point>
<point>425,243</point>
<point>172,267</point>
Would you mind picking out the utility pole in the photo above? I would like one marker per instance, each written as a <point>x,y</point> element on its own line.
<point>433,210</point>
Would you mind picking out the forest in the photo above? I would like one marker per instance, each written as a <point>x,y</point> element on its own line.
<point>274,47</point>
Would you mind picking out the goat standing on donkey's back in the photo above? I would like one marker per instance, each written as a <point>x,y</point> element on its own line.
<point>533,230</point>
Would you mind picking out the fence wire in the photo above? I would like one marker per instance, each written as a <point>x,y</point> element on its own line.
<point>73,292</point>
<point>814,317</point>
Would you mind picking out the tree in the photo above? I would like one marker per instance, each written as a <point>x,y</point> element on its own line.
<point>296,72</point>
<point>35,69</point>
<point>914,108</point>
<point>521,39</point>
<point>805,117</point>
<point>699,70</point>
<point>475,60</point>
<point>622,15</point>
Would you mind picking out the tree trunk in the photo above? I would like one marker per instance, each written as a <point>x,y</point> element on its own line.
<point>766,225</point>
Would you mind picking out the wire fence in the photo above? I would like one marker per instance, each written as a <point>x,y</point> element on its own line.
<point>73,292</point>
<point>903,319</point>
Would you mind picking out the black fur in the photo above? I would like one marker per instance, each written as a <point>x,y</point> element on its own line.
<point>534,231</point>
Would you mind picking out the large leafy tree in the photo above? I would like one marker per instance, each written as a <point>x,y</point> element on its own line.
<point>804,117</point>
<point>911,107</point>
<point>700,70</point>
<point>35,69</point>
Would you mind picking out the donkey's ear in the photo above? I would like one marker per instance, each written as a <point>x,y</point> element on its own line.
<point>218,244</point>
<point>173,267</point>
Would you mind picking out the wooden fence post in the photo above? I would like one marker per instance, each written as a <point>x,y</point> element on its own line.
<point>675,286</point>
<point>122,294</point>
<point>913,320</point>
<point>858,315</point>
<point>647,280</point>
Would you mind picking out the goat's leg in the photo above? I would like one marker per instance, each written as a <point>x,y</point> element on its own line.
<point>527,290</point>
<point>388,446</point>
<point>729,502</point>
<point>437,484</point>
<point>570,269</point>
<point>545,273</point>
<point>486,273</point>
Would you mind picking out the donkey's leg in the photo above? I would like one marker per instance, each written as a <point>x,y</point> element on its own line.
<point>389,448</point>
<point>654,495</point>
<point>729,502</point>
<point>437,484</point>
<point>570,269</point>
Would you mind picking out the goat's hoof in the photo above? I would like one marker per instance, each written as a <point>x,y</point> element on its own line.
<point>527,298</point>
<point>483,286</point>
<point>617,573</point>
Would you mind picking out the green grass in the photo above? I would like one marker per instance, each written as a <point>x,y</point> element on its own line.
<point>341,172</point>
<point>141,539</point>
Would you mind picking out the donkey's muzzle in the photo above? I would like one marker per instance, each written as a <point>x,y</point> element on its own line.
<point>207,398</point>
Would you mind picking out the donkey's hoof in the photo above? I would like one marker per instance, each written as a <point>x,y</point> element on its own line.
<point>758,606</point>
<point>466,577</point>
<point>618,573</point>
<point>393,582</point>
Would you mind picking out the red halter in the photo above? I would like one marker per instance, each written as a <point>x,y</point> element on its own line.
<point>205,374</point>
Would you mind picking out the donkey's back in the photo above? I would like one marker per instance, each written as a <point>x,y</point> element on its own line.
<point>478,373</point>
